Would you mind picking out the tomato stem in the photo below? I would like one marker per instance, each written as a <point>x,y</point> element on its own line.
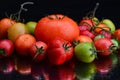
<point>66,47</point>
<point>39,51</point>
<point>17,15</point>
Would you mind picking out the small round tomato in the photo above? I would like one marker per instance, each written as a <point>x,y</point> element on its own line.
<point>6,48</point>
<point>82,38</point>
<point>5,24</point>
<point>104,46</point>
<point>117,34</point>
<point>31,26</point>
<point>85,52</point>
<point>38,51</point>
<point>15,30</point>
<point>23,43</point>
<point>110,24</point>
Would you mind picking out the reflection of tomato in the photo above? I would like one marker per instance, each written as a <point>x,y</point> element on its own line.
<point>39,71</point>
<point>85,71</point>
<point>6,65</point>
<point>23,43</point>
<point>23,65</point>
<point>62,72</point>
<point>103,64</point>
<point>56,25</point>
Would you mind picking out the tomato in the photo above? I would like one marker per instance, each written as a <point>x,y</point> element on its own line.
<point>81,38</point>
<point>56,25</point>
<point>117,34</point>
<point>15,30</point>
<point>100,27</point>
<point>110,24</point>
<point>106,34</point>
<point>6,48</point>
<point>31,26</point>
<point>23,43</point>
<point>38,50</point>
<point>5,24</point>
<point>85,52</point>
<point>86,22</point>
<point>104,46</point>
<point>59,51</point>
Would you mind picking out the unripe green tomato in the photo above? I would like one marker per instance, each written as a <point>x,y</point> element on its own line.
<point>31,26</point>
<point>85,52</point>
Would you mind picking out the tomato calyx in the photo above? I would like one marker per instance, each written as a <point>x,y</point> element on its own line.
<point>2,52</point>
<point>56,17</point>
<point>66,46</point>
<point>39,51</point>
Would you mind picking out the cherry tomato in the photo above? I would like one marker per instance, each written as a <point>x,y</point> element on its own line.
<point>59,51</point>
<point>38,50</point>
<point>31,26</point>
<point>6,48</point>
<point>104,46</point>
<point>85,52</point>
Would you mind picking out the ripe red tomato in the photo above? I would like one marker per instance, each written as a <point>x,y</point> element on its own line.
<point>6,48</point>
<point>5,24</point>
<point>38,50</point>
<point>56,25</point>
<point>59,51</point>
<point>103,45</point>
<point>117,34</point>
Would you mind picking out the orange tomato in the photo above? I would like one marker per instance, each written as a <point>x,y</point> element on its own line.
<point>82,38</point>
<point>101,27</point>
<point>5,24</point>
<point>23,43</point>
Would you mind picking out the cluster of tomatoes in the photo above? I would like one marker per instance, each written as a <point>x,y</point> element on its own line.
<point>58,38</point>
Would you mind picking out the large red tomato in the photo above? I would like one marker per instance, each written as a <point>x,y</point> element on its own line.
<point>56,25</point>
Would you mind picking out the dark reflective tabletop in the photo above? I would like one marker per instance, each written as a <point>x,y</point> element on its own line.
<point>19,68</point>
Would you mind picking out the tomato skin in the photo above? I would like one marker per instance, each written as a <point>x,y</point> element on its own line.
<point>38,50</point>
<point>117,34</point>
<point>51,27</point>
<point>59,51</point>
<point>83,52</point>
<point>5,24</point>
<point>103,44</point>
<point>6,48</point>
<point>23,43</point>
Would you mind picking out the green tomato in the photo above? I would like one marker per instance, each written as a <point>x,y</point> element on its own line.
<point>31,26</point>
<point>85,71</point>
<point>110,24</point>
<point>85,52</point>
<point>115,44</point>
<point>16,30</point>
<point>99,36</point>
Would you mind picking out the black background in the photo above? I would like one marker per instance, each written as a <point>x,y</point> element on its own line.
<point>76,9</point>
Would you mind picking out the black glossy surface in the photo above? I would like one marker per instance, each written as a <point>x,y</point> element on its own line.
<point>103,68</point>
<point>76,9</point>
